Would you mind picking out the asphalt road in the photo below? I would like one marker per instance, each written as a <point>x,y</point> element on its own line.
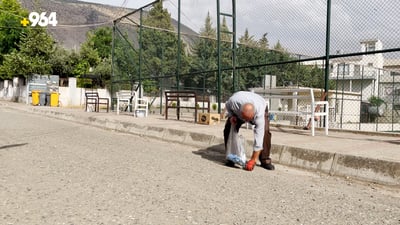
<point>58,172</point>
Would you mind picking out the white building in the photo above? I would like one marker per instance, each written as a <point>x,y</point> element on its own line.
<point>368,75</point>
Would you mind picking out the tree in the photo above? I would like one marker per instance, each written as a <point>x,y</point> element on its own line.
<point>36,47</point>
<point>204,58</point>
<point>11,13</point>
<point>103,69</point>
<point>63,61</point>
<point>101,40</point>
<point>126,58</point>
<point>250,53</point>
<point>208,31</point>
<point>263,42</point>
<point>89,54</point>
<point>87,58</point>
<point>247,39</point>
<point>286,73</point>
<point>160,47</point>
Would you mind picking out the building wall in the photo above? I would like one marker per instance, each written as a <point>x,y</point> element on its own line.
<point>71,96</point>
<point>346,107</point>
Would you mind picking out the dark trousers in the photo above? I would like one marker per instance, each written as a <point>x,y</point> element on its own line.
<point>265,153</point>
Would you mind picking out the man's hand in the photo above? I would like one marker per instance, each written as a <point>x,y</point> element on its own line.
<point>233,119</point>
<point>250,165</point>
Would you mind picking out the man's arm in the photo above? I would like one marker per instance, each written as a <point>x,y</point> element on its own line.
<point>252,162</point>
<point>258,142</point>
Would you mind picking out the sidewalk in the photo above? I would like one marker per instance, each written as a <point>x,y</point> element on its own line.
<point>367,156</point>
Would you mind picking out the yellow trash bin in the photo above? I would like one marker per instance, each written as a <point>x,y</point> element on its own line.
<point>54,99</point>
<point>35,97</point>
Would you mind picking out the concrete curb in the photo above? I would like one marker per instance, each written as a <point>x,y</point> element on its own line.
<point>364,169</point>
<point>373,170</point>
<point>387,134</point>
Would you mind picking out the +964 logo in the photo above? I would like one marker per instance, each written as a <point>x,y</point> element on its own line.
<point>40,19</point>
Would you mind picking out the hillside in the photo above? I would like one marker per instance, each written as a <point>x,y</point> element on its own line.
<point>76,18</point>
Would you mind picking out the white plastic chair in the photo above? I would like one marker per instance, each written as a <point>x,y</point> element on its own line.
<point>141,106</point>
<point>124,99</point>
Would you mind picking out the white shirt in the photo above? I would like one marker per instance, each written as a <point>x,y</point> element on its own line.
<point>233,106</point>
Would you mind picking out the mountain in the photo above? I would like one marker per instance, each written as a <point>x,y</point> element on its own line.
<point>76,18</point>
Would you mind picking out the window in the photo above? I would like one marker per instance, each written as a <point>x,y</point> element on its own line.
<point>344,69</point>
<point>356,70</point>
<point>396,99</point>
<point>369,47</point>
<point>394,73</point>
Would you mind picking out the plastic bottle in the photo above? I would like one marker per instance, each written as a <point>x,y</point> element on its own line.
<point>236,159</point>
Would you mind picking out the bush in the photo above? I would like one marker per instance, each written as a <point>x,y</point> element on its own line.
<point>376,101</point>
<point>214,106</point>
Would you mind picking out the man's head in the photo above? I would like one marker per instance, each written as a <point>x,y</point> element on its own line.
<point>248,112</point>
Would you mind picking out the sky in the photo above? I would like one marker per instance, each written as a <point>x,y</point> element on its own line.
<point>299,25</point>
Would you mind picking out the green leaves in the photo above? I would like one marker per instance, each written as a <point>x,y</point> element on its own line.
<point>11,14</point>
<point>102,41</point>
<point>376,101</point>
<point>35,50</point>
<point>24,51</point>
<point>204,58</point>
<point>160,47</point>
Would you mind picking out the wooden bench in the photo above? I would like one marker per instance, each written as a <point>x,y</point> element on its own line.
<point>93,99</point>
<point>295,94</point>
<point>174,100</point>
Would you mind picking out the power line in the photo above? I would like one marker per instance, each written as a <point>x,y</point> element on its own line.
<point>80,25</point>
<point>123,6</point>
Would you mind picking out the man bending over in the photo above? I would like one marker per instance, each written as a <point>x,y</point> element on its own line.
<point>244,106</point>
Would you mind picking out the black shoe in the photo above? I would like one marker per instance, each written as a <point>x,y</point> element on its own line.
<point>229,163</point>
<point>268,166</point>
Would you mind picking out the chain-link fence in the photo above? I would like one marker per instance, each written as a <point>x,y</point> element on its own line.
<point>349,47</point>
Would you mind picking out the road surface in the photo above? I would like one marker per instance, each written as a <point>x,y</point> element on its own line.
<point>58,172</point>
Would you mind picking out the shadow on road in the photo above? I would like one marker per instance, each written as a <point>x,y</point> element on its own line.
<point>12,146</point>
<point>215,153</point>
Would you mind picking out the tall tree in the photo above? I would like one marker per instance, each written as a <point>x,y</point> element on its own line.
<point>250,53</point>
<point>285,73</point>
<point>88,52</point>
<point>101,38</point>
<point>247,40</point>
<point>208,30</point>
<point>11,14</point>
<point>263,42</point>
<point>204,58</point>
<point>160,47</point>
<point>125,64</point>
